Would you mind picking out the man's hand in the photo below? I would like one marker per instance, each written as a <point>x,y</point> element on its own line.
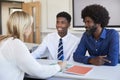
<point>100,60</point>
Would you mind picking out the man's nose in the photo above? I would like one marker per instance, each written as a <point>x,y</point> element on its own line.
<point>86,25</point>
<point>59,24</point>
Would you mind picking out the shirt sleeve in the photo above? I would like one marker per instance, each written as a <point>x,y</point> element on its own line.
<point>28,64</point>
<point>79,54</point>
<point>74,47</point>
<point>113,49</point>
<point>40,50</point>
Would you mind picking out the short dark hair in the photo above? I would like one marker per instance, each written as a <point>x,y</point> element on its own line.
<point>97,13</point>
<point>65,15</point>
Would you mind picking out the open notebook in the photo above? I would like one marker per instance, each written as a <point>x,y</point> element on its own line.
<point>79,70</point>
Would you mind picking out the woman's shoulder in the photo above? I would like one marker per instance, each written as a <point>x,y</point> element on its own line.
<point>18,41</point>
<point>15,42</point>
<point>12,40</point>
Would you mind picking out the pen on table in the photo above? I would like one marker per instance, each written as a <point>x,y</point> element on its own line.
<point>106,60</point>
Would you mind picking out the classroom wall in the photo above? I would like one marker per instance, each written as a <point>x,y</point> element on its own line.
<point>48,15</point>
<point>49,9</point>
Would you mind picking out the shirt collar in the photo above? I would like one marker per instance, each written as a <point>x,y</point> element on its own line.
<point>63,38</point>
<point>103,34</point>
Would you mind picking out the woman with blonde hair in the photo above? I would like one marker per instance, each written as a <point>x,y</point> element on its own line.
<point>15,58</point>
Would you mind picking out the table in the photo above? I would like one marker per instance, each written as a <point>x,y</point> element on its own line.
<point>97,73</point>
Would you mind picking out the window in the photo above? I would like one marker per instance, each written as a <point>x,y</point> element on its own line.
<point>111,5</point>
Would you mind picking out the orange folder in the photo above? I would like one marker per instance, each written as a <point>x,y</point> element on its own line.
<point>79,70</point>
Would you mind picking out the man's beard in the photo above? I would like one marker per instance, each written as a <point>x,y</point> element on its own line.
<point>91,30</point>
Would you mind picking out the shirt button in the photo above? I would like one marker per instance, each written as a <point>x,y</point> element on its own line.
<point>96,49</point>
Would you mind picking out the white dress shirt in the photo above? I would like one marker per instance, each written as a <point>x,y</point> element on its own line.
<point>50,45</point>
<point>15,60</point>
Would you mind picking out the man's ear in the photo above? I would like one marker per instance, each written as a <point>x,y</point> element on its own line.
<point>69,25</point>
<point>98,24</point>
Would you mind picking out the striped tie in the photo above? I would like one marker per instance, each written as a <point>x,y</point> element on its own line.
<point>60,50</point>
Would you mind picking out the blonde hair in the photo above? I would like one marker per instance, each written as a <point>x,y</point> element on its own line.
<point>17,23</point>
